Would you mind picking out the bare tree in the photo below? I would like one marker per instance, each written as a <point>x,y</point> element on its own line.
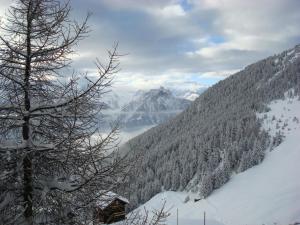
<point>52,161</point>
<point>146,217</point>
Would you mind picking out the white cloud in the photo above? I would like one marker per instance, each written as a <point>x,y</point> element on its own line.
<point>171,11</point>
<point>4,5</point>
<point>256,24</point>
<point>166,42</point>
<point>219,74</point>
<point>172,79</point>
<point>133,4</point>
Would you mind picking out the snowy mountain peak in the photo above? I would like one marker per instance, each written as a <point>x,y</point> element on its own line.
<point>191,95</point>
<point>140,110</point>
<point>159,92</point>
<point>152,107</point>
<point>156,100</point>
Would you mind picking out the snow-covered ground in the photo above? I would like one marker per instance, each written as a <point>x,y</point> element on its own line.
<point>265,194</point>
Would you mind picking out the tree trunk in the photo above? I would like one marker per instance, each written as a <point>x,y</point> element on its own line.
<point>27,191</point>
<point>27,161</point>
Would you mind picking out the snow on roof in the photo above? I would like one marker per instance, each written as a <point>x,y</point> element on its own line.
<point>107,197</point>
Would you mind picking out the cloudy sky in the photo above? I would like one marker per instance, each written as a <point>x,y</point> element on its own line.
<point>184,43</point>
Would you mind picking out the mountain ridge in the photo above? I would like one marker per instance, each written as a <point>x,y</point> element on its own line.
<point>146,108</point>
<point>152,107</point>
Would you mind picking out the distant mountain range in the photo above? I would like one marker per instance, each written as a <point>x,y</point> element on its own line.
<point>146,108</point>
<point>152,107</point>
<point>156,100</point>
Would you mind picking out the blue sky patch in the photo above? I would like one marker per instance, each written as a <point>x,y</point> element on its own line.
<point>186,5</point>
<point>207,81</point>
<point>217,39</point>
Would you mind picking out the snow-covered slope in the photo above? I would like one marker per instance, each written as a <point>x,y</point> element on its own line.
<point>268,193</point>
<point>191,96</point>
<point>219,134</point>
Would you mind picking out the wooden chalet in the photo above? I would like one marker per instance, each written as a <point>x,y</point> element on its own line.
<point>110,208</point>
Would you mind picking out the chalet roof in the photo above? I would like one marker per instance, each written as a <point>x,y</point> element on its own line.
<point>108,197</point>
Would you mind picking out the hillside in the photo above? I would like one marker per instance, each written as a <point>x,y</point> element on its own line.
<point>219,135</point>
<point>265,194</point>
